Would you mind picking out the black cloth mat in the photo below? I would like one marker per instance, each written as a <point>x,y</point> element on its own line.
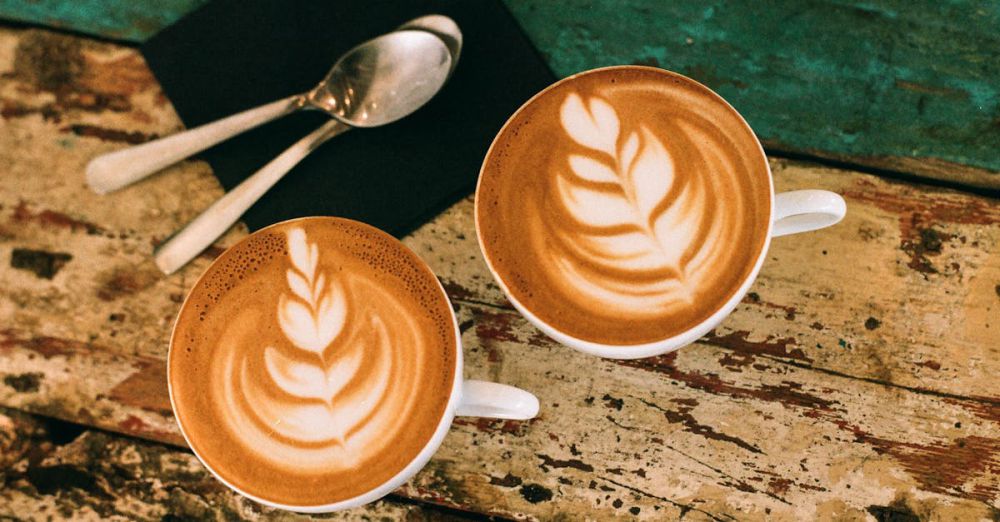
<point>231,55</point>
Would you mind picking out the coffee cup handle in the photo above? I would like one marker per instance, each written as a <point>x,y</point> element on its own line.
<point>805,210</point>
<point>499,401</point>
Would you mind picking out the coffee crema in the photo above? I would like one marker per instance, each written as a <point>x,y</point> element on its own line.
<point>624,205</point>
<point>313,361</point>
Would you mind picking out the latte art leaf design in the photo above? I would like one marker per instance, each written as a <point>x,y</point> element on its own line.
<point>312,316</point>
<point>595,127</point>
<point>314,320</point>
<point>319,359</point>
<point>634,221</point>
<point>309,381</point>
<point>311,322</point>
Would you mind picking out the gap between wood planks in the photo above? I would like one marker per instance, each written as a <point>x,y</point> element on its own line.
<point>9,23</point>
<point>895,175</point>
<point>788,361</point>
<point>887,384</point>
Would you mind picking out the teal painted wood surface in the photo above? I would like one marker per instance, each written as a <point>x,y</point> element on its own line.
<point>907,85</point>
<point>912,85</point>
<point>128,20</point>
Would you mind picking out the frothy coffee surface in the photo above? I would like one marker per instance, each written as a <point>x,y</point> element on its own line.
<point>313,361</point>
<point>624,205</point>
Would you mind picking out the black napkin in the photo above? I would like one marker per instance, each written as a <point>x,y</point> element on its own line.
<point>231,55</point>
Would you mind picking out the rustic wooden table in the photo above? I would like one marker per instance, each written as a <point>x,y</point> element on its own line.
<point>857,380</point>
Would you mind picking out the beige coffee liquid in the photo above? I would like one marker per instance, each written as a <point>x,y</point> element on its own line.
<point>313,361</point>
<point>624,205</point>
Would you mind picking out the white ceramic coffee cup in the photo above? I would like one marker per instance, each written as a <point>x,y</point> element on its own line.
<point>791,213</point>
<point>468,398</point>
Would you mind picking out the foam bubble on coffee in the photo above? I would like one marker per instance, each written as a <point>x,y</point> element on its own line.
<point>321,354</point>
<point>624,205</point>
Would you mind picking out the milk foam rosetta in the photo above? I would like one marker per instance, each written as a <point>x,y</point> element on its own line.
<point>640,235</point>
<point>315,369</point>
<point>623,206</point>
<point>291,403</point>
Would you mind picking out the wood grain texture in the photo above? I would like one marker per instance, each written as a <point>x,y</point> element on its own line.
<point>856,380</point>
<point>897,84</point>
<point>55,471</point>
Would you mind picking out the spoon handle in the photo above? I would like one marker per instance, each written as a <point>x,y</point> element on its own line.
<point>201,232</point>
<point>114,170</point>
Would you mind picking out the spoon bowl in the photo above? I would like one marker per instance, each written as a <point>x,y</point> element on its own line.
<point>384,79</point>
<point>444,28</point>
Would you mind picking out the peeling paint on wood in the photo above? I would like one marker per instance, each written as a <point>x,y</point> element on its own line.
<point>43,264</point>
<point>23,214</point>
<point>51,472</point>
<point>84,382</point>
<point>119,19</point>
<point>24,382</point>
<point>799,406</point>
<point>898,85</point>
<point>112,135</point>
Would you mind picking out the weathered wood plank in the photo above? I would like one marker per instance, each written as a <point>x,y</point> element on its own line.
<point>116,19</point>
<point>684,432</point>
<point>739,425</point>
<point>899,85</point>
<point>64,100</point>
<point>58,472</point>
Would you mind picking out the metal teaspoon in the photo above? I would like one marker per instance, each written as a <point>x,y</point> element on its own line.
<point>376,83</point>
<point>114,170</point>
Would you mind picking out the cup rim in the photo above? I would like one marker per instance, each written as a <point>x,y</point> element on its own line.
<point>652,348</point>
<point>411,468</point>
